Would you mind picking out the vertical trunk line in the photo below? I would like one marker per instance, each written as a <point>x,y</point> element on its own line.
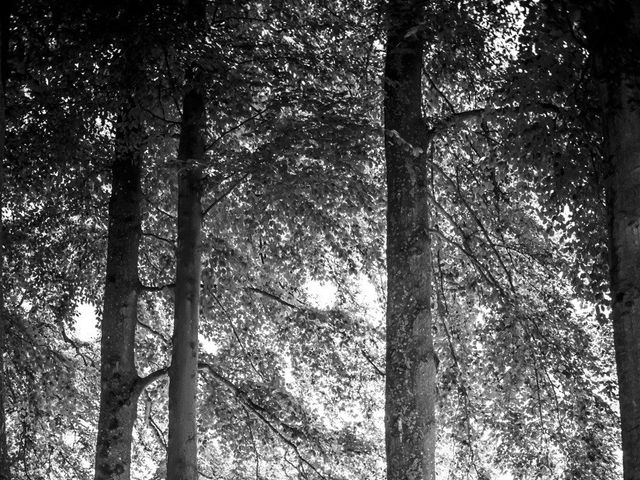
<point>613,30</point>
<point>622,146</point>
<point>410,361</point>
<point>118,374</point>
<point>183,373</point>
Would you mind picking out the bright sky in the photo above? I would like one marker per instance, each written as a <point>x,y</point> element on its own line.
<point>86,323</point>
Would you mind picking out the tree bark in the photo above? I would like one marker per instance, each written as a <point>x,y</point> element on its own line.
<point>615,38</point>
<point>410,362</point>
<point>118,374</point>
<point>183,373</point>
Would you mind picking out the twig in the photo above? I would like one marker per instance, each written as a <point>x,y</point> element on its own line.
<point>368,359</point>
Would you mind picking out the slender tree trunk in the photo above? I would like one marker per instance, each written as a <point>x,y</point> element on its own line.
<point>5,470</point>
<point>617,57</point>
<point>183,373</point>
<point>613,33</point>
<point>410,369</point>
<point>118,393</point>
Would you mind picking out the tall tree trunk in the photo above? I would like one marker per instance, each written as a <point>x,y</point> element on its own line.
<point>118,374</point>
<point>410,368</point>
<point>183,373</point>
<point>5,470</point>
<point>615,37</point>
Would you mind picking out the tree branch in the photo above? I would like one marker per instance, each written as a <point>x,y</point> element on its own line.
<point>143,382</point>
<point>368,359</point>
<point>153,331</point>
<point>155,207</point>
<point>257,410</point>
<point>235,127</point>
<point>226,193</point>
<point>162,239</point>
<point>273,297</point>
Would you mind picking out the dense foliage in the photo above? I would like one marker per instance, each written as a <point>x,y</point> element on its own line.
<point>292,338</point>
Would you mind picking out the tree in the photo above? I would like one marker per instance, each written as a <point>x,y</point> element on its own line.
<point>411,363</point>
<point>613,37</point>
<point>182,457</point>
<point>118,373</point>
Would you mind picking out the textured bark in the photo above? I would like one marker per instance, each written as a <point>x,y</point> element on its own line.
<point>118,396</point>
<point>410,363</point>
<point>183,373</point>
<point>616,43</point>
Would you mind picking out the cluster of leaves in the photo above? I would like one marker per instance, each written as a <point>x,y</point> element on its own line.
<point>295,192</point>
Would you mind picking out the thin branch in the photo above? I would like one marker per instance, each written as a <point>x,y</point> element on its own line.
<point>235,127</point>
<point>478,222</point>
<point>155,332</point>
<point>77,345</point>
<point>158,432</point>
<point>162,239</point>
<point>368,359</point>
<point>253,442</point>
<point>257,410</point>
<point>273,297</point>
<point>162,119</point>
<point>440,93</point>
<point>484,272</point>
<point>164,212</point>
<point>226,193</point>
<point>235,332</point>
<point>478,113</point>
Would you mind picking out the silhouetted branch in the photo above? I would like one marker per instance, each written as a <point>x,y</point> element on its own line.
<point>273,297</point>
<point>226,193</point>
<point>368,359</point>
<point>158,237</point>
<point>258,411</point>
<point>235,127</point>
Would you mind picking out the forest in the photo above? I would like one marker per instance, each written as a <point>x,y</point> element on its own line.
<point>320,239</point>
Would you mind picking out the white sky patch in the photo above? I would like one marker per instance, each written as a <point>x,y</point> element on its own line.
<point>86,328</point>
<point>368,298</point>
<point>209,346</point>
<point>321,295</point>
